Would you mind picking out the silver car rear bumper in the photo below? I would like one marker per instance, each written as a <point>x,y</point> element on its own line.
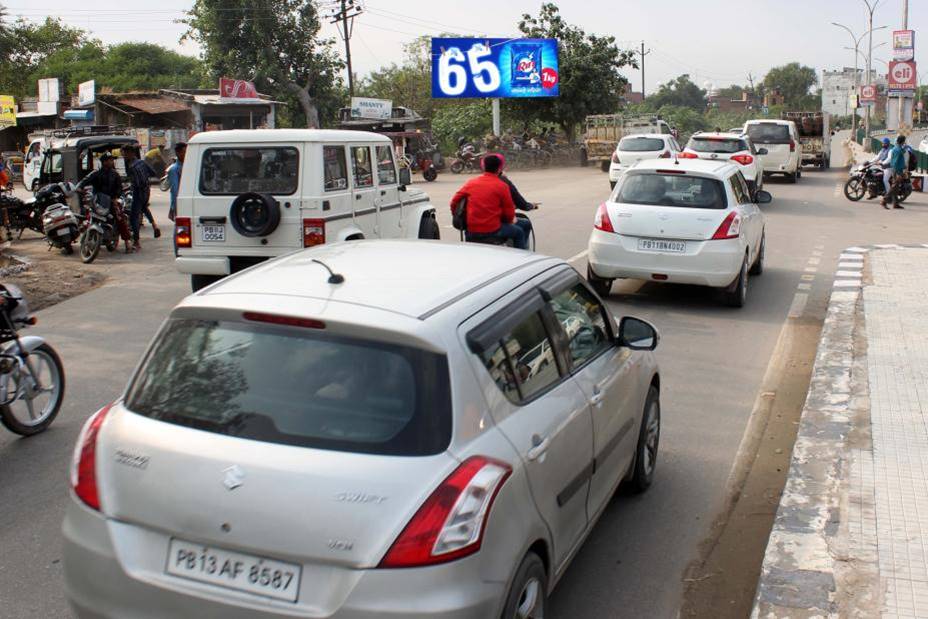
<point>98,587</point>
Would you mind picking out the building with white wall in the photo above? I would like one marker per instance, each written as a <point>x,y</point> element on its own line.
<point>838,86</point>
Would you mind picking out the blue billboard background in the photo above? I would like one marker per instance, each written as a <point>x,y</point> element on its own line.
<point>494,68</point>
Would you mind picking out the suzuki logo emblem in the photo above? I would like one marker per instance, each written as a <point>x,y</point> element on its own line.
<point>233,477</point>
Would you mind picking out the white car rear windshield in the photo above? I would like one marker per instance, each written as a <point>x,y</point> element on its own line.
<point>641,145</point>
<point>769,133</point>
<point>233,171</point>
<point>296,386</point>
<point>726,146</point>
<point>680,190</point>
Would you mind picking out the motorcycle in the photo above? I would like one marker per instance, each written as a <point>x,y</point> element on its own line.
<point>868,179</point>
<point>459,220</point>
<point>19,215</point>
<point>31,373</point>
<point>467,159</point>
<point>103,225</point>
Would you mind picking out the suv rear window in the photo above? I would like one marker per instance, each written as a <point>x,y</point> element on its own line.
<point>672,190</point>
<point>233,171</point>
<point>717,145</point>
<point>641,145</point>
<point>769,133</point>
<point>300,387</point>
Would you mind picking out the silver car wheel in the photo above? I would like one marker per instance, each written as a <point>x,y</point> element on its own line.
<point>652,437</point>
<point>530,604</point>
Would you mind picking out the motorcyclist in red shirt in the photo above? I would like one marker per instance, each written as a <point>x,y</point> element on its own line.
<point>491,211</point>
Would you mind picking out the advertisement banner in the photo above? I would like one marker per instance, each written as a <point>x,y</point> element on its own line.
<point>903,44</point>
<point>902,78</point>
<point>373,109</point>
<point>868,94</point>
<point>86,93</point>
<point>48,90</point>
<point>236,89</point>
<point>494,68</point>
<point>7,111</point>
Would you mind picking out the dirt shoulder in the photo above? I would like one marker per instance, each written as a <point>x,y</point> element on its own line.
<point>723,580</point>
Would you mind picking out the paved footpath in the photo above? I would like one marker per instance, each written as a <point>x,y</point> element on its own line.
<point>851,534</point>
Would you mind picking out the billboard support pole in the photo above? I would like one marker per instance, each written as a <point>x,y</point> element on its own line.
<point>496,130</point>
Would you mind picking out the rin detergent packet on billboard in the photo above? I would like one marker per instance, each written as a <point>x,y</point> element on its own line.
<point>526,64</point>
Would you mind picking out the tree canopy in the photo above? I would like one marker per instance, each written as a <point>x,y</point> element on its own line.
<point>25,45</point>
<point>590,82</point>
<point>793,81</point>
<point>274,43</point>
<point>681,92</point>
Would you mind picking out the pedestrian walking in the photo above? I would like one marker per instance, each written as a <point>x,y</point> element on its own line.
<point>174,173</point>
<point>139,174</point>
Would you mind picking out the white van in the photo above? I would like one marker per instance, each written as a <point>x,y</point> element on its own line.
<point>781,140</point>
<point>249,195</point>
<point>32,161</point>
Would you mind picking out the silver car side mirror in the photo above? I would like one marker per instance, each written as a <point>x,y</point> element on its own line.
<point>637,334</point>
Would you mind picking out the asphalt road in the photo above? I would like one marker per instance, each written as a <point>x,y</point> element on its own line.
<point>713,359</point>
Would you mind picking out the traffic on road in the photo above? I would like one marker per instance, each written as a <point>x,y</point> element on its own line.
<point>336,389</point>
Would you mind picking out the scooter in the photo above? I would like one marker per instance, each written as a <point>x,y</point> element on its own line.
<point>103,225</point>
<point>459,220</point>
<point>61,227</point>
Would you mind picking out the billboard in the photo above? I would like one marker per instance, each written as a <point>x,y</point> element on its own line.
<point>494,68</point>
<point>373,109</point>
<point>902,78</point>
<point>86,93</point>
<point>236,89</point>
<point>7,111</point>
<point>903,44</point>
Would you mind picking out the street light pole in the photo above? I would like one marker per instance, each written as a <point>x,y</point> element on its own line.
<point>870,9</point>
<point>856,41</point>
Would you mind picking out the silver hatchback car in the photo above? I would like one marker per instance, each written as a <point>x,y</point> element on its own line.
<point>360,430</point>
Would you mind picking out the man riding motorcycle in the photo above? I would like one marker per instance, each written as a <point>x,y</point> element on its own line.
<point>882,158</point>
<point>490,205</point>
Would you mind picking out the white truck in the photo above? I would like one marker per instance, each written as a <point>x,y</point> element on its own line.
<point>814,129</point>
<point>249,195</point>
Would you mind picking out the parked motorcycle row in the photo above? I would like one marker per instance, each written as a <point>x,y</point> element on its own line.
<point>67,214</point>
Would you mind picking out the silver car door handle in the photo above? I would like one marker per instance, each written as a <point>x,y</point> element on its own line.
<point>596,399</point>
<point>539,447</point>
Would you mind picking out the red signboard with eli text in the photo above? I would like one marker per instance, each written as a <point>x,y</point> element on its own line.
<point>236,89</point>
<point>902,75</point>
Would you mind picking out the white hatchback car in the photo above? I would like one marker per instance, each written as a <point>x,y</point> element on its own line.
<point>363,430</point>
<point>637,147</point>
<point>737,148</point>
<point>781,140</point>
<point>688,221</point>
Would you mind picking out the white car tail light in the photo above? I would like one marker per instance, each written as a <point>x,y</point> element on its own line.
<point>451,522</point>
<point>183,232</point>
<point>743,159</point>
<point>615,158</point>
<point>84,463</point>
<point>730,228</point>
<point>601,221</point>
<point>313,232</point>
<point>688,155</point>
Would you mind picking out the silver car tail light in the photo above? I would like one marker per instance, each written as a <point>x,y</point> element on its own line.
<point>451,522</point>
<point>84,464</point>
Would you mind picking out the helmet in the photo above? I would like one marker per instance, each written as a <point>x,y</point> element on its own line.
<point>886,142</point>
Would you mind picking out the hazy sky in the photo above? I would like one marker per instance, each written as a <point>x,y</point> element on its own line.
<point>720,41</point>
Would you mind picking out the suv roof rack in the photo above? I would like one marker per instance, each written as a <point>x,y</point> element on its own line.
<point>90,130</point>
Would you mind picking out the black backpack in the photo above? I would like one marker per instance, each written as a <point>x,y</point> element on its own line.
<point>459,215</point>
<point>913,160</point>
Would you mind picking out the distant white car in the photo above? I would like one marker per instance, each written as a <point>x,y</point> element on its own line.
<point>781,140</point>
<point>736,148</point>
<point>688,221</point>
<point>637,147</point>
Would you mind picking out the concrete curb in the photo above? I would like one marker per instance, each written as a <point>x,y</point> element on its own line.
<point>809,570</point>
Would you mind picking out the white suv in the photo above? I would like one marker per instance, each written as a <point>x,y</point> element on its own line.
<point>638,147</point>
<point>781,140</point>
<point>246,196</point>
<point>735,148</point>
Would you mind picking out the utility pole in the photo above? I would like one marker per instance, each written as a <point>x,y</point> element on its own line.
<point>643,53</point>
<point>870,9</point>
<point>905,26</point>
<point>345,11</point>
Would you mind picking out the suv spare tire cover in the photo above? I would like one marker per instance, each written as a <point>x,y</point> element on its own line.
<point>254,214</point>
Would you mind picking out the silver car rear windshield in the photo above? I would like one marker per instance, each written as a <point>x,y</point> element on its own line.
<point>726,146</point>
<point>296,386</point>
<point>672,189</point>
<point>641,145</point>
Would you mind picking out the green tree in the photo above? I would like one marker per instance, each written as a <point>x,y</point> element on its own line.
<point>25,45</point>
<point>408,84</point>
<point>589,65</point>
<point>793,81</point>
<point>681,92</point>
<point>732,92</point>
<point>276,43</point>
